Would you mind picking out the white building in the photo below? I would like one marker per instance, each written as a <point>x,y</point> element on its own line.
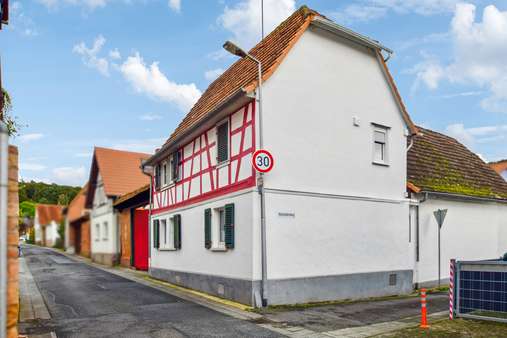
<point>48,218</point>
<point>113,173</point>
<point>444,174</point>
<point>336,211</point>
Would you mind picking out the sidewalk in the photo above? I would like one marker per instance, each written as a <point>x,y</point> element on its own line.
<point>33,310</point>
<point>348,319</point>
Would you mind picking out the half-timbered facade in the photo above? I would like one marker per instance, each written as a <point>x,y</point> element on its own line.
<point>334,205</point>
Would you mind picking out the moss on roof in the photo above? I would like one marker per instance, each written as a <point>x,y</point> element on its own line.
<point>439,163</point>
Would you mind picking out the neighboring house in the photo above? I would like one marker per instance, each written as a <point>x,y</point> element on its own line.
<point>133,209</point>
<point>335,202</point>
<point>77,225</point>
<point>500,167</point>
<point>113,173</point>
<point>444,174</point>
<point>46,223</point>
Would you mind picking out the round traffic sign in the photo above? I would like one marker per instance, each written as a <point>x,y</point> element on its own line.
<point>262,161</point>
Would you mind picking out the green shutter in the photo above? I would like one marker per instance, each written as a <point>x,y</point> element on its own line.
<point>207,228</point>
<point>156,239</point>
<point>177,231</point>
<point>229,226</point>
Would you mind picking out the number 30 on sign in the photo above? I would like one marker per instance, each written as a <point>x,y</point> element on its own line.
<point>262,161</point>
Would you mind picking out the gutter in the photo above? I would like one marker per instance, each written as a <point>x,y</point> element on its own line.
<point>166,148</point>
<point>4,151</point>
<point>464,197</point>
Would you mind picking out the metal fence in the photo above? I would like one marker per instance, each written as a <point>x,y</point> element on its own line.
<point>480,290</point>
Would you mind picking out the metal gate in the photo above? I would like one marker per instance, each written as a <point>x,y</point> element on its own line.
<point>480,290</point>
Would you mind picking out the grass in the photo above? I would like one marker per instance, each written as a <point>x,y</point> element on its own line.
<point>454,328</point>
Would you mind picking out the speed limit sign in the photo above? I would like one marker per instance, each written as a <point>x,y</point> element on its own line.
<point>262,161</point>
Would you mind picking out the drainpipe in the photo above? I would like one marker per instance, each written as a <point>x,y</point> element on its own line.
<point>4,151</point>
<point>148,171</point>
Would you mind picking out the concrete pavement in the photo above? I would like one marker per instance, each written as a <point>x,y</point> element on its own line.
<point>88,302</point>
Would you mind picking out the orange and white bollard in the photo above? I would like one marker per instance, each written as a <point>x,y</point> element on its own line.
<point>424,312</point>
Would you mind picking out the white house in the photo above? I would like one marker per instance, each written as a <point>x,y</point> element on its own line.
<point>335,204</point>
<point>113,173</point>
<point>46,223</point>
<point>444,174</point>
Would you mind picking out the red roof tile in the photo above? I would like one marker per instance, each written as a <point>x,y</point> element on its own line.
<point>47,213</point>
<point>77,208</point>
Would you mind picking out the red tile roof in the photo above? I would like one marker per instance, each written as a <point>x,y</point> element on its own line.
<point>439,163</point>
<point>77,208</point>
<point>120,170</point>
<point>47,213</point>
<point>499,166</point>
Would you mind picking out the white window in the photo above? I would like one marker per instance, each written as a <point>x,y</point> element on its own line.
<point>380,145</point>
<point>223,142</point>
<point>218,225</point>
<point>97,232</point>
<point>167,233</point>
<point>165,174</point>
<point>105,234</point>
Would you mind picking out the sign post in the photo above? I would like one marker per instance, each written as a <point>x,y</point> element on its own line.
<point>440,217</point>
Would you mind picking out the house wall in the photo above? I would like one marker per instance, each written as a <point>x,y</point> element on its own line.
<point>472,230</point>
<point>85,238</point>
<point>231,274</point>
<point>104,242</point>
<point>70,237</point>
<point>12,243</point>
<point>125,235</point>
<point>38,231</point>
<point>337,223</point>
<point>52,234</point>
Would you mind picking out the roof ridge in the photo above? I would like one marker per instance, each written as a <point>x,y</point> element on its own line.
<point>120,150</point>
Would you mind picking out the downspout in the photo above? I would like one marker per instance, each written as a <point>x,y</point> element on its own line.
<point>4,151</point>
<point>148,171</point>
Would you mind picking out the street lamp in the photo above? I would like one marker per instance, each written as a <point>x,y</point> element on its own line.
<point>235,50</point>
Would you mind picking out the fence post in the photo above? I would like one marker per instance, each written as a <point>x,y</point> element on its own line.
<point>451,289</point>
<point>424,311</point>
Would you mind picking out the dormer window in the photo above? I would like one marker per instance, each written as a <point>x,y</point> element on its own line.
<point>223,142</point>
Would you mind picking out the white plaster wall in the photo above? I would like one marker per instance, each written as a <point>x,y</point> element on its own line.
<point>471,231</point>
<point>193,257</point>
<point>103,211</point>
<point>331,236</point>
<point>51,233</point>
<point>309,103</point>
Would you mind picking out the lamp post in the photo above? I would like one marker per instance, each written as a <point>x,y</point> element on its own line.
<point>235,50</point>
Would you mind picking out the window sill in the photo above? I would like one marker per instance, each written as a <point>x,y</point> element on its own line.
<point>223,164</point>
<point>104,239</point>
<point>382,164</point>
<point>167,249</point>
<point>219,249</point>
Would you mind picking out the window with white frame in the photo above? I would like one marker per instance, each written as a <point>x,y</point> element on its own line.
<point>219,228</point>
<point>223,142</point>
<point>380,145</point>
<point>97,232</point>
<point>105,234</point>
<point>167,233</point>
<point>165,174</point>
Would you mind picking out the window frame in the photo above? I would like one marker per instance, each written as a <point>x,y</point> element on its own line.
<point>218,244</point>
<point>97,232</point>
<point>378,128</point>
<point>166,233</point>
<point>105,235</point>
<point>218,125</point>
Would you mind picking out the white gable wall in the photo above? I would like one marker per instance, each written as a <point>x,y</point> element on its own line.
<point>330,211</point>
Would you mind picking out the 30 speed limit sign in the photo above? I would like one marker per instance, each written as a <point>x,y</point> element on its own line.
<point>262,161</point>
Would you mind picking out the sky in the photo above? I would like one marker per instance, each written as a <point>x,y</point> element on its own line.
<point>123,73</point>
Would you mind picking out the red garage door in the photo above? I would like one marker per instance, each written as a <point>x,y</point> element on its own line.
<point>141,239</point>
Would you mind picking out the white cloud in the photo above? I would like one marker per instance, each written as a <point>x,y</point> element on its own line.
<point>21,22</point>
<point>74,176</point>
<point>150,117</point>
<point>88,4</point>
<point>366,10</point>
<point>244,19</point>
<point>115,54</point>
<point>475,135</point>
<point>30,137</point>
<point>31,166</point>
<point>462,94</point>
<point>90,57</point>
<point>175,5</point>
<point>151,81</point>
<point>212,74</point>
<point>139,145</point>
<point>84,154</point>
<point>479,55</point>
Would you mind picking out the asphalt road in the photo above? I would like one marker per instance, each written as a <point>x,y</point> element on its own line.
<point>88,302</point>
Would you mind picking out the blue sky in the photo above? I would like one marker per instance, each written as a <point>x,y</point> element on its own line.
<point>122,73</point>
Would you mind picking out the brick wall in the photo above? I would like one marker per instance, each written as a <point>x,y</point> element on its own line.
<point>12,241</point>
<point>85,238</point>
<point>125,237</point>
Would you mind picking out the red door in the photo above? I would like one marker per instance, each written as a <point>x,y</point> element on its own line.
<point>141,239</point>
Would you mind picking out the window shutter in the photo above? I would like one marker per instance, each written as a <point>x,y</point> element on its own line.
<point>177,231</point>
<point>176,163</point>
<point>207,228</point>
<point>157,176</point>
<point>229,226</point>
<point>156,239</point>
<point>222,139</point>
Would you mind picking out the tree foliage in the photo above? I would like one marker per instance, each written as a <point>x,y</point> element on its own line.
<point>39,192</point>
<point>13,125</point>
